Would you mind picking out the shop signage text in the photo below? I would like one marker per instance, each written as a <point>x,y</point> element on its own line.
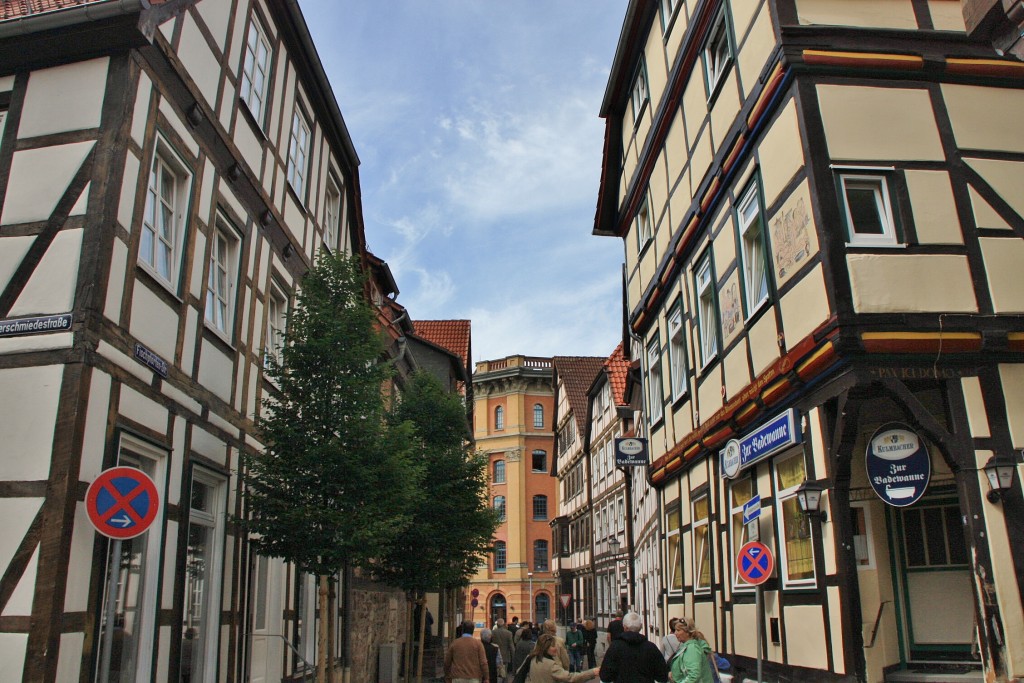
<point>631,452</point>
<point>898,464</point>
<point>151,360</point>
<point>768,439</point>
<point>17,327</point>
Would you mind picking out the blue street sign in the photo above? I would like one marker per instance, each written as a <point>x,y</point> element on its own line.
<point>755,563</point>
<point>752,509</point>
<point>899,467</point>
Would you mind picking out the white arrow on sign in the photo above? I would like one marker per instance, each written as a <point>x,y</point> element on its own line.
<point>123,521</point>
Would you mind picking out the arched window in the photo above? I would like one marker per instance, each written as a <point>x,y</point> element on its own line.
<point>499,418</point>
<point>540,556</point>
<point>540,461</point>
<point>499,505</point>
<point>500,556</point>
<point>543,608</point>
<point>538,416</point>
<point>499,472</point>
<point>540,507</point>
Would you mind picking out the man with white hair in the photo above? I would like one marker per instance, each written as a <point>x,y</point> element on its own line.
<point>632,658</point>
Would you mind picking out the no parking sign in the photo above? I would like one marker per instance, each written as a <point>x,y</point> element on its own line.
<point>755,563</point>
<point>122,502</point>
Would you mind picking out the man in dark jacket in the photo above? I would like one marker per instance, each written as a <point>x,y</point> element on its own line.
<point>631,658</point>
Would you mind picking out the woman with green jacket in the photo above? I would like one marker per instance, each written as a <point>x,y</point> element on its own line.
<point>690,663</point>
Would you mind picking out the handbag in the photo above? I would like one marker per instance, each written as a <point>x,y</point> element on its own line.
<point>713,661</point>
<point>524,672</point>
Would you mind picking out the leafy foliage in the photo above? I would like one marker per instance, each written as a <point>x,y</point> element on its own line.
<point>453,527</point>
<point>335,482</point>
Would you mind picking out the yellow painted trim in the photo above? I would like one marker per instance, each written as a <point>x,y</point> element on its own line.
<point>866,56</point>
<point>1000,63</point>
<point>919,335</point>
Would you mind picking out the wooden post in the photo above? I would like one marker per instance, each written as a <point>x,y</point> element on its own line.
<point>321,646</point>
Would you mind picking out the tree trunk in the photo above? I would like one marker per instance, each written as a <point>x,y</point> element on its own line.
<point>422,602</point>
<point>321,645</point>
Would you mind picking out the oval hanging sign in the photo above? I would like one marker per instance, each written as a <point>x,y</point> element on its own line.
<point>898,464</point>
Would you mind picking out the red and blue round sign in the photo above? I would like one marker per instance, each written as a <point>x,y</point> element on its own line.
<point>755,563</point>
<point>122,502</point>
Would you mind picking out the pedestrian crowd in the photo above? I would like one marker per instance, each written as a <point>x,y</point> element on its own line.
<point>534,653</point>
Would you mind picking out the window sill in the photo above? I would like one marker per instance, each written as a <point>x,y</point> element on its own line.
<point>250,118</point>
<point>875,245</point>
<point>218,334</point>
<point>163,287</point>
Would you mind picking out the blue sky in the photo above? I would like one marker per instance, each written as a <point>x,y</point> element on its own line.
<point>476,124</point>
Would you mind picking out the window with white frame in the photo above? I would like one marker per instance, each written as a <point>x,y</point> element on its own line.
<point>707,309</point>
<point>797,559</point>
<point>131,606</point>
<point>204,549</point>
<point>333,202</point>
<point>298,152</point>
<point>674,541</point>
<point>740,491</point>
<point>622,514</point>
<point>255,70</point>
<point>867,209</point>
<point>538,416</point>
<point>640,93</point>
<point>668,10</point>
<point>277,315</point>
<point>221,283</point>
<point>677,351</point>
<point>863,538</point>
<point>307,617</point>
<point>644,229</point>
<point>540,507</point>
<point>499,472</point>
<point>540,556</point>
<point>499,418</point>
<point>654,395</point>
<point>163,221</point>
<point>500,556</point>
<point>701,544</point>
<point>717,53</point>
<point>753,253</point>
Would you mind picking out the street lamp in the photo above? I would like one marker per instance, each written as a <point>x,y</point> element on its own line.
<point>808,494</point>
<point>999,470</point>
<point>529,574</point>
<point>614,545</point>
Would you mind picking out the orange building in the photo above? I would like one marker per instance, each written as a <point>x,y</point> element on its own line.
<point>513,408</point>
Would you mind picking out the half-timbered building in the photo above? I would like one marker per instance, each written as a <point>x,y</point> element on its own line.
<point>168,171</point>
<point>821,208</point>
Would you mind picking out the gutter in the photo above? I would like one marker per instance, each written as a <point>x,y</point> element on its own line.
<point>70,16</point>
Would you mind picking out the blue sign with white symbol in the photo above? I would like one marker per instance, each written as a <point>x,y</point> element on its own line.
<point>898,464</point>
<point>755,563</point>
<point>122,502</point>
<point>768,439</point>
<point>752,509</point>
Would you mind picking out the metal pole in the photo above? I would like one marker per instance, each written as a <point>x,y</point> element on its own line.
<point>530,576</point>
<point>113,569</point>
<point>759,611</point>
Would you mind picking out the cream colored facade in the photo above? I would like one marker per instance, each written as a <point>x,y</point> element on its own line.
<point>822,223</point>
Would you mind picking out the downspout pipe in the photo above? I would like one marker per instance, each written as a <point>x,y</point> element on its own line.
<point>62,18</point>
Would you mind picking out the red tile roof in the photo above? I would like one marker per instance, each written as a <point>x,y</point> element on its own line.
<point>12,9</point>
<point>453,335</point>
<point>617,367</point>
<point>578,374</point>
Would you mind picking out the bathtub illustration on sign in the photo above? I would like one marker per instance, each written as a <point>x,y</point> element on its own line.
<point>899,491</point>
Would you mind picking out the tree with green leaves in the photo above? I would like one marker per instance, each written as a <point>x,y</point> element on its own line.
<point>337,481</point>
<point>452,530</point>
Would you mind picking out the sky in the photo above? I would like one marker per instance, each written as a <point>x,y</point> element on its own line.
<point>478,131</point>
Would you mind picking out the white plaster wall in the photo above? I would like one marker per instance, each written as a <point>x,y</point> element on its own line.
<point>179,127</point>
<point>757,46</point>
<point>931,282</point>
<point>1003,260</point>
<point>216,16</point>
<point>80,566</point>
<point>208,445</point>
<point>115,281</point>
<point>968,104</point>
<point>12,655</point>
<point>1012,377</point>
<point>29,419</point>
<point>129,184</point>
<point>804,307</point>
<point>30,200</point>
<point>851,114</point>
<point>20,602</point>
<point>781,144</point>
<point>1006,178</point>
<point>50,90</point>
<point>153,322</point>
<point>935,216</point>
<point>82,205</point>
<point>143,410</point>
<point>51,287</point>
<point>188,350</point>
<point>140,114</point>
<point>6,83</point>
<point>215,371</point>
<point>12,251</point>
<point>199,61</point>
<point>69,661</point>
<point>36,342</point>
<point>866,13</point>
<point>805,634</point>
<point>18,514</point>
<point>94,440</point>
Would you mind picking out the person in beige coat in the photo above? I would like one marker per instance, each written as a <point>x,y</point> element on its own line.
<point>563,652</point>
<point>545,666</point>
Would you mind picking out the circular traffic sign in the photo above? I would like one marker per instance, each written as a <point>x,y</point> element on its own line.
<point>755,563</point>
<point>122,502</point>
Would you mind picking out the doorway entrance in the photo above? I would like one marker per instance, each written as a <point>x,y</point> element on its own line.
<point>933,567</point>
<point>497,610</point>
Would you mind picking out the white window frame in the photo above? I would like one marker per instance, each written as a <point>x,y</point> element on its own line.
<point>640,94</point>
<point>499,465</point>
<point>222,282</point>
<point>298,152</point>
<point>677,352</point>
<point>214,521</point>
<point>716,54</point>
<point>655,390</point>
<point>254,83</point>
<point>782,495</point>
<point>277,319</point>
<point>674,548</point>
<point>864,545</point>
<point>503,554</point>
<point>166,163</point>
<point>499,419</point>
<point>310,617</point>
<point>707,309</point>
<point>879,186</point>
<point>538,411</point>
<point>644,225</point>
<point>753,251</point>
<point>703,553</point>
<point>333,212</point>
<point>668,12</point>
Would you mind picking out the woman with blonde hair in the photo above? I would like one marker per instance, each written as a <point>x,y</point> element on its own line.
<point>691,662</point>
<point>546,667</point>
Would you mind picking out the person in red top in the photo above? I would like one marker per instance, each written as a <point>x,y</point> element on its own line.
<point>466,661</point>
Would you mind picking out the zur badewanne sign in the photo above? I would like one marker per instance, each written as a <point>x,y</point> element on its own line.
<point>631,452</point>
<point>768,439</point>
<point>898,464</point>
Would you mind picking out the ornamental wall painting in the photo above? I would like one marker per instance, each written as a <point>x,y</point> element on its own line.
<point>731,311</point>
<point>792,235</point>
